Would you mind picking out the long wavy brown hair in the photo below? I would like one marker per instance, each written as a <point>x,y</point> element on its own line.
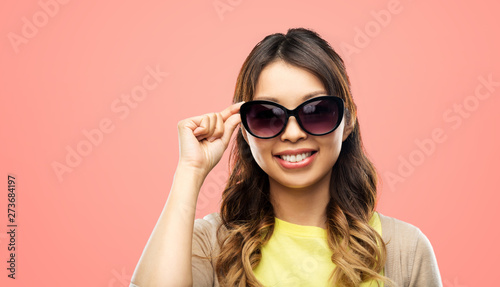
<point>247,214</point>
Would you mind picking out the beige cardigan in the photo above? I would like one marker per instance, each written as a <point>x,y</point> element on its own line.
<point>410,257</point>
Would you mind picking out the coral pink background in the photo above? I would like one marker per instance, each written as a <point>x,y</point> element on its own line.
<point>65,66</point>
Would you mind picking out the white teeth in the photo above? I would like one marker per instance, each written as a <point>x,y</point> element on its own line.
<point>297,157</point>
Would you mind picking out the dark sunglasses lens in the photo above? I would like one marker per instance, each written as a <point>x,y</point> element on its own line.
<point>265,120</point>
<point>320,116</point>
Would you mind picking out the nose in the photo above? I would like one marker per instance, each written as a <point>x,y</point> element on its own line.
<point>293,132</point>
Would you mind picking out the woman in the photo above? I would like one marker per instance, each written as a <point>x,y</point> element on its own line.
<point>299,206</point>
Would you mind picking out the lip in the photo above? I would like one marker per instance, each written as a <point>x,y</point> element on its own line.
<point>293,165</point>
<point>294,151</point>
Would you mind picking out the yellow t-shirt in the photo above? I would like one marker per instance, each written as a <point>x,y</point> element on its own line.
<point>298,255</point>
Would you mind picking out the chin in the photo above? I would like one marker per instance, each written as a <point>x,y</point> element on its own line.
<point>292,182</point>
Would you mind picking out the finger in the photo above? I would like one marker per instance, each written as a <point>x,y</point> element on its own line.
<point>191,123</point>
<point>194,126</point>
<point>229,126</point>
<point>213,124</point>
<point>231,110</point>
<point>220,125</point>
<point>219,128</point>
<point>203,126</point>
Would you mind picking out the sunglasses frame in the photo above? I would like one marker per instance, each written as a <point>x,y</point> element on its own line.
<point>295,112</point>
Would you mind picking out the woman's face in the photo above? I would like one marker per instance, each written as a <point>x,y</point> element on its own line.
<point>289,85</point>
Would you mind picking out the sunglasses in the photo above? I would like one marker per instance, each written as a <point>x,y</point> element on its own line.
<point>317,116</point>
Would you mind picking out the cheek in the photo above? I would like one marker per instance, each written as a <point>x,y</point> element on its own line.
<point>332,145</point>
<point>261,150</point>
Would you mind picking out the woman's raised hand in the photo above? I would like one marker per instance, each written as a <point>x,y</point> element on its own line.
<point>203,139</point>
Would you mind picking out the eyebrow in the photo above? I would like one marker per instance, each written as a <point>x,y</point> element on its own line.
<point>306,97</point>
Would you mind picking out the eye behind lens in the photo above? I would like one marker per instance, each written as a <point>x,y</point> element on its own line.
<point>321,116</point>
<point>264,120</point>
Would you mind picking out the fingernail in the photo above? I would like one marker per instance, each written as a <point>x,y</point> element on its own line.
<point>211,139</point>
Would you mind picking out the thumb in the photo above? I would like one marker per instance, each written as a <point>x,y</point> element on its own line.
<point>229,126</point>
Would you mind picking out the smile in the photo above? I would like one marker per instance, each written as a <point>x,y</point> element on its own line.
<point>297,160</point>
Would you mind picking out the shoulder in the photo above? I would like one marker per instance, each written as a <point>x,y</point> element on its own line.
<point>209,221</point>
<point>403,235</point>
<point>398,229</point>
<point>410,256</point>
<point>401,239</point>
<point>205,232</point>
<point>208,224</point>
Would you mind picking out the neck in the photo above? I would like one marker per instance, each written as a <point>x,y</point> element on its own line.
<point>302,206</point>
